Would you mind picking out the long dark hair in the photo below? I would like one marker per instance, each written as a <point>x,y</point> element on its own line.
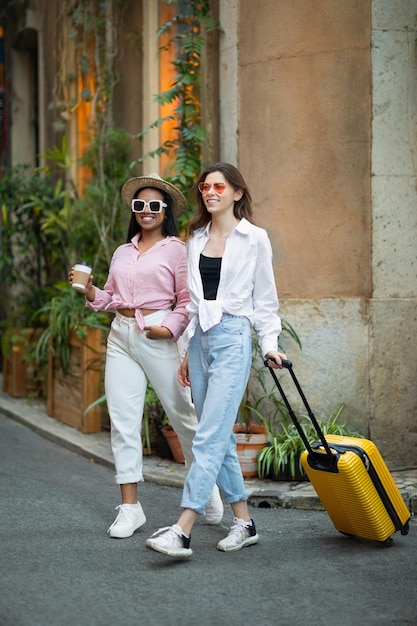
<point>169,225</point>
<point>242,207</point>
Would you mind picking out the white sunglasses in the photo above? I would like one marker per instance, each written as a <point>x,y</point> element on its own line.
<point>154,206</point>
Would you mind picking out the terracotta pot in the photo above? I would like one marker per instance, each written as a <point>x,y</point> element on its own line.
<point>163,449</point>
<point>249,441</point>
<point>174,443</point>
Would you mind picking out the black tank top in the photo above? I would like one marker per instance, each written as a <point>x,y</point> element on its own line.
<point>210,275</point>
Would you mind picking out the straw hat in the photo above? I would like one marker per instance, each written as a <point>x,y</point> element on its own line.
<point>133,185</point>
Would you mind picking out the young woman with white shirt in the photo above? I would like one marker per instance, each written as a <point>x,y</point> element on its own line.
<point>232,289</point>
<point>147,289</point>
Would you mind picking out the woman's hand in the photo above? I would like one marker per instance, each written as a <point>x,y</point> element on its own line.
<point>183,373</point>
<point>274,359</point>
<point>157,332</point>
<point>89,291</point>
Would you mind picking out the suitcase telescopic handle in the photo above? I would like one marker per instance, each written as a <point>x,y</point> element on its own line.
<point>288,365</point>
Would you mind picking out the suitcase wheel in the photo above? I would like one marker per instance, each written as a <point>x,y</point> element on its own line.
<point>405,529</point>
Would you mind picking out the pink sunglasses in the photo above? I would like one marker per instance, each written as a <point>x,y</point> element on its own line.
<point>204,188</point>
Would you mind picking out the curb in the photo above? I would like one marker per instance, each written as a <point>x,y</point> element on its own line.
<point>96,447</point>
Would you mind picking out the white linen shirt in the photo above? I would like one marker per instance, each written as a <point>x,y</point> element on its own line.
<point>246,286</point>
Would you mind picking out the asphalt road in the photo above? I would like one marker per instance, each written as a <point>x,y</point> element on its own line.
<point>59,567</point>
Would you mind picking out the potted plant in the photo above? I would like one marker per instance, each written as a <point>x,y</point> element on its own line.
<point>21,375</point>
<point>153,421</point>
<point>29,265</point>
<point>156,422</point>
<point>73,346</point>
<point>156,428</point>
<point>173,442</point>
<point>280,460</point>
<point>251,429</point>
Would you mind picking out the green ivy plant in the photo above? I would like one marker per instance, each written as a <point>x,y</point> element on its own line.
<point>92,221</point>
<point>187,30</point>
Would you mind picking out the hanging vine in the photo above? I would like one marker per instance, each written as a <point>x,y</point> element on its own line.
<point>91,218</point>
<point>187,33</point>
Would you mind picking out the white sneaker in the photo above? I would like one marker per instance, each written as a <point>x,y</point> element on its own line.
<point>214,509</point>
<point>241,534</point>
<point>129,518</point>
<point>170,540</point>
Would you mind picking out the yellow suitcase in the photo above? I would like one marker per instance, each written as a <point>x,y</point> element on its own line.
<point>356,488</point>
<point>351,479</point>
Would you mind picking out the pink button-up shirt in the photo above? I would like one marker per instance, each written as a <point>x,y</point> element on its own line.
<point>156,279</point>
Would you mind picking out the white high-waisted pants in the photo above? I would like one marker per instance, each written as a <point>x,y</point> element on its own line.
<point>131,359</point>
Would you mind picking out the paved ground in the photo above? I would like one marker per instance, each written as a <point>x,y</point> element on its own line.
<point>59,567</point>
<point>262,493</point>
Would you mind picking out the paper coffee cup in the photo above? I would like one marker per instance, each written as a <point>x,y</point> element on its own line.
<point>82,271</point>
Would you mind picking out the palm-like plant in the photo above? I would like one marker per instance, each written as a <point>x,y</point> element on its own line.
<point>254,402</point>
<point>283,455</point>
<point>65,312</point>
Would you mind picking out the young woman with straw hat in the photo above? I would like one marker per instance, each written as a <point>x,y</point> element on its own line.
<point>147,290</point>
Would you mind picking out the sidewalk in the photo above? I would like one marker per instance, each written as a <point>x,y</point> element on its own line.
<point>96,447</point>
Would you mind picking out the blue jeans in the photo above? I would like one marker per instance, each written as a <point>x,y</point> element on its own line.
<point>219,364</point>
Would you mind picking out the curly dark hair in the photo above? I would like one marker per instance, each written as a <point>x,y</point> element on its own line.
<point>169,226</point>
